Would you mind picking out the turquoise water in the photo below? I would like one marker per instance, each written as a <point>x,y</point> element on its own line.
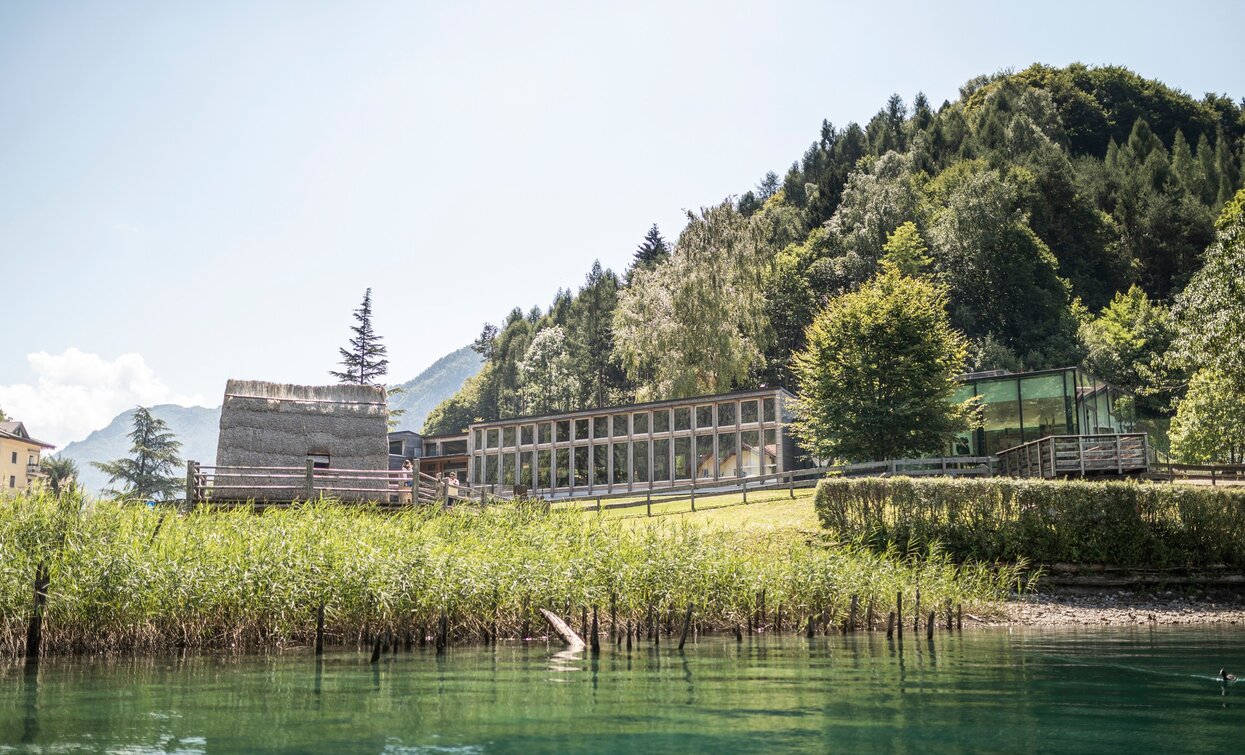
<point>1148,690</point>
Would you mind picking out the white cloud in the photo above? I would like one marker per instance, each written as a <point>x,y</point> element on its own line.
<point>76,392</point>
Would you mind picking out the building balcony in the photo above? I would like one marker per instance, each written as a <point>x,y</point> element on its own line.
<point>34,470</point>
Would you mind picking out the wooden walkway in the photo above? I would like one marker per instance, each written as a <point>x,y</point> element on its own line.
<point>1077,456</point>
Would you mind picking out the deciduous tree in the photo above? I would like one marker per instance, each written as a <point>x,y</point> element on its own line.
<point>877,378</point>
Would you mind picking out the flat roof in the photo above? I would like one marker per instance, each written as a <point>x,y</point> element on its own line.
<point>751,392</point>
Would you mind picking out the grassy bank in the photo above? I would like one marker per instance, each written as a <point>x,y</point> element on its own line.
<point>1045,521</point>
<point>126,578</point>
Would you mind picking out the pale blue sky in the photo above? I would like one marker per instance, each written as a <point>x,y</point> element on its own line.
<point>211,186</point>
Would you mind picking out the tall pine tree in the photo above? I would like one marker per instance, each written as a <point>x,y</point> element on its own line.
<point>364,362</point>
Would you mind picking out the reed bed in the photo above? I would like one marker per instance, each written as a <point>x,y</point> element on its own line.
<point>126,578</point>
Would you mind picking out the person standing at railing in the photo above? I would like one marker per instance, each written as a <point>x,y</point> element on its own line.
<point>407,481</point>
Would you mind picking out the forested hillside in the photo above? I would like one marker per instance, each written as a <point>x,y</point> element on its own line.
<point>1063,209</point>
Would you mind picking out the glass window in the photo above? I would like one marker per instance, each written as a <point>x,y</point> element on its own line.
<point>507,437</point>
<point>544,473</point>
<point>544,433</point>
<point>564,430</point>
<point>600,464</point>
<point>682,419</point>
<point>639,461</point>
<point>525,435</point>
<point>661,421</point>
<point>726,415</point>
<point>581,429</point>
<point>705,462</point>
<point>620,463</point>
<point>639,423</point>
<point>1042,406</point>
<point>479,436</point>
<point>563,457</point>
<point>581,466</point>
<point>661,460</point>
<point>768,408</point>
<point>492,437</point>
<point>490,470</point>
<point>600,427</point>
<point>770,452</point>
<point>525,469</point>
<point>507,469</point>
<point>728,459</point>
<point>704,417</point>
<point>750,453</point>
<point>1000,414</point>
<point>747,412</point>
<point>620,425</point>
<point>683,458</point>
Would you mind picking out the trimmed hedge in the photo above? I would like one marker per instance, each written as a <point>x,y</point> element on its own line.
<point>1045,521</point>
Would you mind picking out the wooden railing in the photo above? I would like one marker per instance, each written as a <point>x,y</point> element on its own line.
<point>281,485</point>
<point>1212,474</point>
<point>602,499</point>
<point>1077,456</point>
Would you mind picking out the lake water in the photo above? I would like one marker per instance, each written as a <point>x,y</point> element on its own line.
<point>988,690</point>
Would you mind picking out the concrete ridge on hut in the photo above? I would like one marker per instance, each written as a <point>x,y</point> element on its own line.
<point>330,394</point>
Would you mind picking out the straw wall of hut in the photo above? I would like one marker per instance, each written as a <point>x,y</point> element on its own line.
<point>279,425</point>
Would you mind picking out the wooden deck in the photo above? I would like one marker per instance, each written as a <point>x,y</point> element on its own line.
<point>1077,456</point>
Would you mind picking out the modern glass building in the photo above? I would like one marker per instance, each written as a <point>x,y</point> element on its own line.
<point>638,447</point>
<point>1017,408</point>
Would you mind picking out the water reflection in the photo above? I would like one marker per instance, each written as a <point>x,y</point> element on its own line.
<point>983,690</point>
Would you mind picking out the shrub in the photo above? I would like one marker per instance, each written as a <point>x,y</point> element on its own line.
<point>1045,521</point>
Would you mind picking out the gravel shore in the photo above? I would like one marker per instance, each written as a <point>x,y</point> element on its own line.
<point>1120,608</point>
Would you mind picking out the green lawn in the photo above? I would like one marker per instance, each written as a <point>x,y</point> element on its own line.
<point>771,509</point>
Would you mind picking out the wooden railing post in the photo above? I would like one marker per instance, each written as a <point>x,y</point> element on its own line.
<point>309,483</point>
<point>191,489</point>
<point>1119,459</point>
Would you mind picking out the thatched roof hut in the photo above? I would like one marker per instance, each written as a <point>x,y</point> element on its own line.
<point>278,425</point>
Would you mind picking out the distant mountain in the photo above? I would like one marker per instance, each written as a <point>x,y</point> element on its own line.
<point>434,385</point>
<point>198,427</point>
<point>195,426</point>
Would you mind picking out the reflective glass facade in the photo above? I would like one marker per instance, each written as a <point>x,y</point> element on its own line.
<point>1022,407</point>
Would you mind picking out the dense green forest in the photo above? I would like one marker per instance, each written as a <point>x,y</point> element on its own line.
<point>1063,209</point>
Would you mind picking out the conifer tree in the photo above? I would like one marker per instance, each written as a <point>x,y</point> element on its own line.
<point>652,250</point>
<point>147,475</point>
<point>365,361</point>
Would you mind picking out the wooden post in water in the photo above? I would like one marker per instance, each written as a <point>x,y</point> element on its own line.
<point>851,619</point>
<point>959,617</point>
<point>949,616</point>
<point>778,620</point>
<point>628,635</point>
<point>651,632</point>
<point>890,625</point>
<point>869,617</point>
<point>443,633</point>
<point>808,632</point>
<point>916,614</point>
<point>596,633</point>
<point>687,622</point>
<point>929,626</point>
<point>320,629</point>
<point>34,630</point>
<point>899,611</point>
<point>376,649</point>
<point>614,616</point>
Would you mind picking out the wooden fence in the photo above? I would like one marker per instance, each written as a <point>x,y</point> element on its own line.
<point>283,485</point>
<point>1077,456</point>
<point>1199,474</point>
